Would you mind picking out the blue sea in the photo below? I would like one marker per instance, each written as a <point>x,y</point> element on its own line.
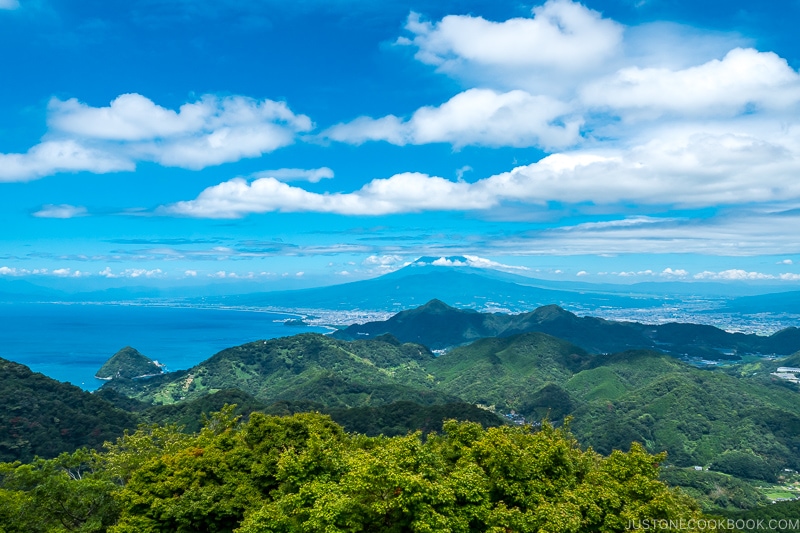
<point>70,342</point>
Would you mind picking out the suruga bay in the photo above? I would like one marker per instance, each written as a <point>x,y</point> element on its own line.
<point>70,342</point>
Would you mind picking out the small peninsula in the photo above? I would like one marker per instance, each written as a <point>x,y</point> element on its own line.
<point>128,363</point>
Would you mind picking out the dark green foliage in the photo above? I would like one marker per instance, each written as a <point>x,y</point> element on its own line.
<point>714,491</point>
<point>120,400</point>
<point>745,465</point>
<point>189,415</point>
<point>128,363</point>
<point>397,418</point>
<point>550,402</point>
<point>785,516</point>
<point>69,493</point>
<point>41,416</point>
<point>401,418</point>
<point>303,473</point>
<point>510,373</point>
<point>695,415</point>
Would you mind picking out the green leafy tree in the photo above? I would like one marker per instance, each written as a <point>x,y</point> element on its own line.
<point>468,479</point>
<point>68,493</point>
<point>209,484</point>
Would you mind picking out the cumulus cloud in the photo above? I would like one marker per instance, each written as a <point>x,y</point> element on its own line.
<point>678,168</point>
<point>475,262</point>
<point>14,271</point>
<point>745,80</point>
<point>68,155</point>
<point>734,275</point>
<point>674,273</point>
<point>474,117</point>
<point>69,273</point>
<point>552,81</point>
<point>408,192</point>
<point>385,263</point>
<point>210,131</point>
<point>482,262</point>
<point>131,273</point>
<point>60,211</point>
<point>561,38</point>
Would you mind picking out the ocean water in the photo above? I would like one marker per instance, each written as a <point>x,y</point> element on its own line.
<point>70,342</point>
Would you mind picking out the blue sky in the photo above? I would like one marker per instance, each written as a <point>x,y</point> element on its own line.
<point>307,143</point>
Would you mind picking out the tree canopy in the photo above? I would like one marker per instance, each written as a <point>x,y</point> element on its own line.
<point>305,473</point>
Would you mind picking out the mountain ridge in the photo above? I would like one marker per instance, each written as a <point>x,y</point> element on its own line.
<point>440,326</point>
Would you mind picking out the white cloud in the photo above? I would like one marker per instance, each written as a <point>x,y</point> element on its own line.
<point>8,271</point>
<point>69,273</point>
<point>190,273</point>
<point>132,273</point>
<point>474,117</point>
<point>677,273</point>
<point>562,38</point>
<point>786,262</point>
<point>9,4</point>
<point>481,262</point>
<point>694,169</point>
<point>678,168</point>
<point>402,193</point>
<point>447,262</point>
<point>733,275</point>
<point>60,211</point>
<point>553,80</point>
<point>210,131</point>
<point>384,261</point>
<point>51,157</point>
<point>313,175</point>
<point>475,262</point>
<point>129,117</point>
<point>582,273</point>
<point>745,80</point>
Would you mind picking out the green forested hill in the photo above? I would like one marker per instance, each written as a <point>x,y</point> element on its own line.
<point>697,416</point>
<point>310,366</point>
<point>128,363</point>
<point>41,416</point>
<point>522,373</point>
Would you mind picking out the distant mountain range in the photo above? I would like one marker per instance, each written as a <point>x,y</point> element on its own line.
<point>423,280</point>
<point>438,325</point>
